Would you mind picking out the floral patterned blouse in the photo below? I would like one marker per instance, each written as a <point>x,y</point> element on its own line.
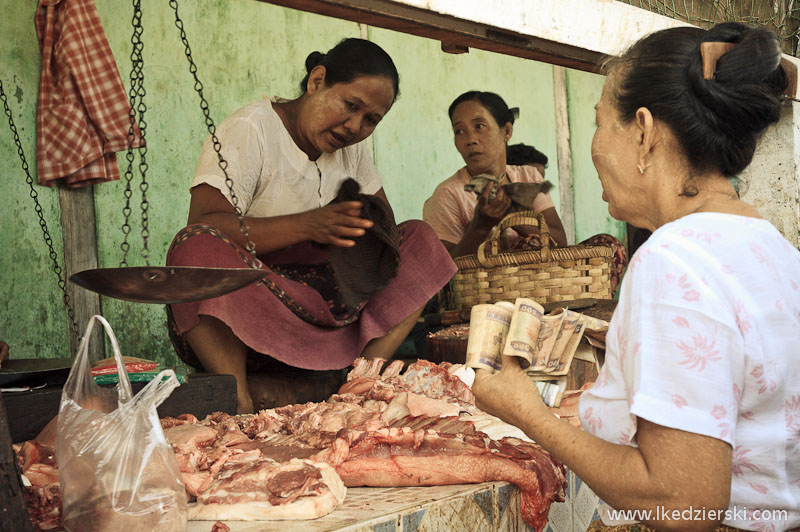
<point>706,339</point>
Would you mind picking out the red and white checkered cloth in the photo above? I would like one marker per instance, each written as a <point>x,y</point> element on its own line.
<point>82,117</point>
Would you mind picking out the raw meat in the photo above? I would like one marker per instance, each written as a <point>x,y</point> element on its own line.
<point>422,377</point>
<point>414,428</point>
<point>268,490</point>
<point>42,493</point>
<point>406,457</point>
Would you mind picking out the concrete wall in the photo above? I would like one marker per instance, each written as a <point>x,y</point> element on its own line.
<point>772,181</point>
<point>245,50</point>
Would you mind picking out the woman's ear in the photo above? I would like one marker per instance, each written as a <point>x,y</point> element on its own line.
<point>316,79</point>
<point>647,135</point>
<point>508,130</point>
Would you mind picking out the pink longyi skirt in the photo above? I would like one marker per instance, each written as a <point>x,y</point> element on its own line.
<point>291,321</point>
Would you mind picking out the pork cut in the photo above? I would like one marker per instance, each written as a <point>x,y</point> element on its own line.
<point>42,491</point>
<point>265,490</point>
<point>407,457</point>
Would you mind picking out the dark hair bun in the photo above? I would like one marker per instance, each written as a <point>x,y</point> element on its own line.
<point>314,59</point>
<point>743,97</point>
<point>717,121</point>
<point>350,59</point>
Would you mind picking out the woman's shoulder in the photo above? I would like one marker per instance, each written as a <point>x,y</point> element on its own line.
<point>523,174</point>
<point>259,111</point>
<point>457,180</point>
<point>453,185</point>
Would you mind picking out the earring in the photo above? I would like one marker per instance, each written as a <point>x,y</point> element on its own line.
<point>639,167</point>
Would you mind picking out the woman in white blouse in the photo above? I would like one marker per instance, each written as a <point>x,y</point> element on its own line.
<point>286,160</point>
<point>694,420</point>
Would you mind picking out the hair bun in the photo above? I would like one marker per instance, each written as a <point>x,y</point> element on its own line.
<point>514,113</point>
<point>314,59</point>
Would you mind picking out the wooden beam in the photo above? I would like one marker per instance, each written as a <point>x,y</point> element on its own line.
<point>80,253</point>
<point>543,30</point>
<point>13,513</point>
<point>564,153</point>
<point>455,32</point>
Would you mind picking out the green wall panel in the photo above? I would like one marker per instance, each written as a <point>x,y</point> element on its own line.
<point>591,212</point>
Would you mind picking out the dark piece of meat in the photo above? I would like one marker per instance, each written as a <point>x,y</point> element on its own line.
<point>365,268</point>
<point>43,497</point>
<point>219,526</point>
<point>44,506</point>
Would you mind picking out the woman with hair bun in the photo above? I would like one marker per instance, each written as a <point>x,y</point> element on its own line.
<point>287,161</point>
<point>482,126</point>
<point>694,420</point>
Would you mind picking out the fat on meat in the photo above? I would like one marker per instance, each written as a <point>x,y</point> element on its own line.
<point>267,490</point>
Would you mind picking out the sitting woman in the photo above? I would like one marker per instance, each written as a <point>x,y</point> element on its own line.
<point>482,126</point>
<point>286,162</point>
<point>694,420</point>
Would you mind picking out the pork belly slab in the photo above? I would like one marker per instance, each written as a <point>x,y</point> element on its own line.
<point>268,490</point>
<point>405,457</point>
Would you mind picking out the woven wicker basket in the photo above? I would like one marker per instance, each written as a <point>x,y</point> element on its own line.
<point>547,275</point>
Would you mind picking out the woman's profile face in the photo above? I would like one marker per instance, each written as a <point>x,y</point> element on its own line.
<point>614,157</point>
<point>479,139</point>
<point>344,114</point>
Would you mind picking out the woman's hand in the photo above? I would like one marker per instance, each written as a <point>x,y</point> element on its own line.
<point>489,211</point>
<point>335,224</point>
<point>509,394</point>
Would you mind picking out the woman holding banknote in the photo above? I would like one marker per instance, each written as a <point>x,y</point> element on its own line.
<point>697,406</point>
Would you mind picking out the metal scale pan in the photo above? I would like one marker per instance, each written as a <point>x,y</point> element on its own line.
<point>166,284</point>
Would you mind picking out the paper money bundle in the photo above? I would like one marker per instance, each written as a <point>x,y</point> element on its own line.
<point>545,344</point>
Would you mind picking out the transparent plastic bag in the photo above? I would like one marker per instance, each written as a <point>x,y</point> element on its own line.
<point>117,471</point>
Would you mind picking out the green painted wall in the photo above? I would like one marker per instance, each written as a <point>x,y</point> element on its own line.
<point>245,50</point>
<point>591,212</point>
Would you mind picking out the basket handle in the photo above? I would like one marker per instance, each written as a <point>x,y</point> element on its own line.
<point>511,220</point>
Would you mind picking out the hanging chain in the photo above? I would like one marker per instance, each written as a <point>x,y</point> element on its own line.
<point>136,95</point>
<point>62,284</point>
<point>223,164</point>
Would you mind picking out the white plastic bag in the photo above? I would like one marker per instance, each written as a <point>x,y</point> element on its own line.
<point>117,471</point>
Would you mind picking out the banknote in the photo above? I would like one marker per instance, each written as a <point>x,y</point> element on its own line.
<point>524,330</point>
<point>548,332</point>
<point>566,342</point>
<point>488,327</point>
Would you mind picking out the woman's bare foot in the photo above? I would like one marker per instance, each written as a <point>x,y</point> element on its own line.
<point>244,403</point>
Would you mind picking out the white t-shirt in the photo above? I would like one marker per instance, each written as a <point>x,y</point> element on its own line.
<point>706,339</point>
<point>271,175</point>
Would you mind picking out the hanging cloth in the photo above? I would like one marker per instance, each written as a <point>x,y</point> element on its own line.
<point>82,115</point>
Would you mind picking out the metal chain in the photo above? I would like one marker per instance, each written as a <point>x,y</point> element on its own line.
<point>223,164</point>
<point>136,94</point>
<point>62,284</point>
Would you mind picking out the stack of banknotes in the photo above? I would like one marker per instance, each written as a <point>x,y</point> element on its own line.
<point>545,344</point>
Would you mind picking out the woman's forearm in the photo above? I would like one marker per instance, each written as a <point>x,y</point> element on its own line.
<point>472,239</point>
<point>627,478</point>
<point>268,234</point>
